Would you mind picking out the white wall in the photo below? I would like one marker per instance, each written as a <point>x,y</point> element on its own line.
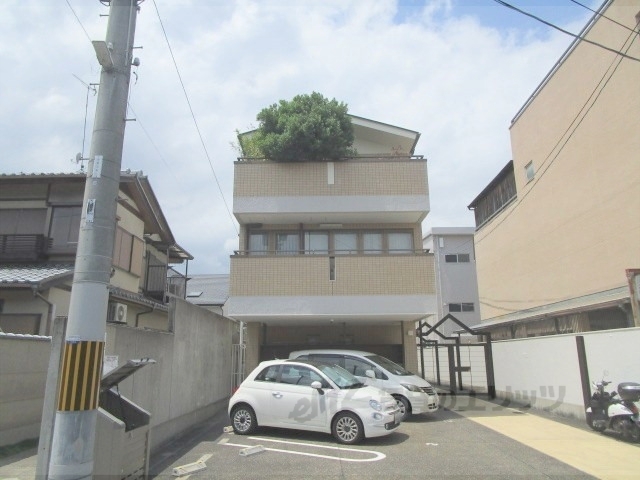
<point>544,371</point>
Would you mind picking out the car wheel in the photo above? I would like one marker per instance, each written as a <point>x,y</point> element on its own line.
<point>404,406</point>
<point>347,428</point>
<point>243,420</point>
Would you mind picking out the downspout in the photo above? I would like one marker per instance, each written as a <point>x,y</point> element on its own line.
<point>51,309</point>
<point>143,313</point>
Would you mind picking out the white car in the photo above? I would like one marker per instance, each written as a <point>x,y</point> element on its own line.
<point>413,394</point>
<point>312,396</point>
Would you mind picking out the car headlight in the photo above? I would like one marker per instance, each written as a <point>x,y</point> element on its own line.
<point>376,405</point>
<point>411,388</point>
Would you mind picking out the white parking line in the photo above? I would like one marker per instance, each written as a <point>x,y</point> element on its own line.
<point>376,455</point>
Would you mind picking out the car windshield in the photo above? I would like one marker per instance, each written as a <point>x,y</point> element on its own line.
<point>340,376</point>
<point>388,365</point>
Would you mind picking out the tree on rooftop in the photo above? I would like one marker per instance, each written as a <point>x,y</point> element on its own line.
<point>306,128</point>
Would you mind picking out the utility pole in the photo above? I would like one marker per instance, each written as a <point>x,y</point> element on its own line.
<point>77,401</point>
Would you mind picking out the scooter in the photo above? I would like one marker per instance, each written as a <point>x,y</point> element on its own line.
<point>621,414</point>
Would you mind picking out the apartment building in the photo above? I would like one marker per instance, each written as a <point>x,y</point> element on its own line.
<point>455,273</point>
<point>558,229</point>
<point>39,226</point>
<point>330,253</point>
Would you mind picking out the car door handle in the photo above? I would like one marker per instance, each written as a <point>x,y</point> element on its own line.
<point>277,394</point>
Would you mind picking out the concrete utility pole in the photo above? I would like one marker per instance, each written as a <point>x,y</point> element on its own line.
<point>77,402</point>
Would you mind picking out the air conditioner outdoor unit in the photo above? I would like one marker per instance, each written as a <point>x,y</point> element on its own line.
<point>117,313</point>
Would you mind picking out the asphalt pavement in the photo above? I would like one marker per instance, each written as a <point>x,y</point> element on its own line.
<point>468,438</point>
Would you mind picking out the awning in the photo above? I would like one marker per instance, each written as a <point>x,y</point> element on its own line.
<point>604,299</point>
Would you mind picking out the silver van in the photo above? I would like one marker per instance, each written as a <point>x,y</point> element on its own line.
<point>412,393</point>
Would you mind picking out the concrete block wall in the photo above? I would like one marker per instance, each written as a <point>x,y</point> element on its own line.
<point>190,382</point>
<point>24,360</point>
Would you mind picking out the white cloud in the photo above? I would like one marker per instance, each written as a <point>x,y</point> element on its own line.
<point>438,72</point>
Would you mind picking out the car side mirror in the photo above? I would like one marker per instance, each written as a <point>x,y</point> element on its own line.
<point>370,374</point>
<point>317,386</point>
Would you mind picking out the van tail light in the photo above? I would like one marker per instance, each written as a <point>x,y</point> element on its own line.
<point>234,390</point>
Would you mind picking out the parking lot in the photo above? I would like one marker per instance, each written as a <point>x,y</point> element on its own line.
<point>467,438</point>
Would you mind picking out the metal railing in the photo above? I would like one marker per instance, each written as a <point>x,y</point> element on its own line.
<point>23,247</point>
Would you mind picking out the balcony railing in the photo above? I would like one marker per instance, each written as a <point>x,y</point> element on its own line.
<point>17,248</point>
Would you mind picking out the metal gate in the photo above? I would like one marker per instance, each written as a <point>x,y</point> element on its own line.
<point>450,363</point>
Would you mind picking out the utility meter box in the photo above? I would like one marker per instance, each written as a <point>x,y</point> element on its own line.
<point>122,431</point>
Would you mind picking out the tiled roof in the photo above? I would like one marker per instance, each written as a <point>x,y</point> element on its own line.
<point>137,298</point>
<point>27,275</point>
<point>208,289</point>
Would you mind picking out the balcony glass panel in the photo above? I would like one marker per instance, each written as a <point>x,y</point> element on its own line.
<point>372,243</point>
<point>316,243</point>
<point>345,243</point>
<point>258,243</point>
<point>400,242</point>
<point>287,243</point>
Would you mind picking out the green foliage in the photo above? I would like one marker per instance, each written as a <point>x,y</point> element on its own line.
<point>307,128</point>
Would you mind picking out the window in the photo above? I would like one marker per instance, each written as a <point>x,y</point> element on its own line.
<point>128,251</point>
<point>357,367</point>
<point>65,226</point>
<point>461,307</point>
<point>316,242</point>
<point>24,221</point>
<point>457,258</point>
<point>345,243</point>
<point>332,268</point>
<point>269,374</point>
<point>400,242</point>
<point>287,243</point>
<point>258,243</point>
<point>372,242</point>
<point>298,375</point>
<point>529,171</point>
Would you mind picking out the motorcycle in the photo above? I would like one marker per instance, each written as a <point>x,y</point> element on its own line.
<point>615,410</point>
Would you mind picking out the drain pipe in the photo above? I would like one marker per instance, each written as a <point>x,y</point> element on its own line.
<point>51,310</point>
<point>143,313</point>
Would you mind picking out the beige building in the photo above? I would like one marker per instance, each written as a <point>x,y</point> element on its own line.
<point>558,229</point>
<point>39,226</point>
<point>330,253</point>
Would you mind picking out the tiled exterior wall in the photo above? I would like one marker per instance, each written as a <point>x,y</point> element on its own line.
<point>396,176</point>
<point>309,275</point>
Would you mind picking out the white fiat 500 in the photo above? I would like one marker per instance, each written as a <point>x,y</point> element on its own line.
<point>306,395</point>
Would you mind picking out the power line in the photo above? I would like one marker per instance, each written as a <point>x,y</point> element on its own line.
<point>602,15</point>
<point>147,134</point>
<point>78,19</point>
<point>184,90</point>
<point>580,37</point>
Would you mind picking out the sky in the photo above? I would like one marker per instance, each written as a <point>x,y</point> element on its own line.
<point>457,71</point>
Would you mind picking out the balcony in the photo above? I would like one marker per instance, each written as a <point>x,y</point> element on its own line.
<point>364,288</point>
<point>23,248</point>
<point>387,189</point>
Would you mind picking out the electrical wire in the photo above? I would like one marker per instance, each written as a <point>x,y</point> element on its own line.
<point>184,90</point>
<point>148,135</point>
<point>78,19</point>
<point>601,15</point>
<point>582,38</point>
